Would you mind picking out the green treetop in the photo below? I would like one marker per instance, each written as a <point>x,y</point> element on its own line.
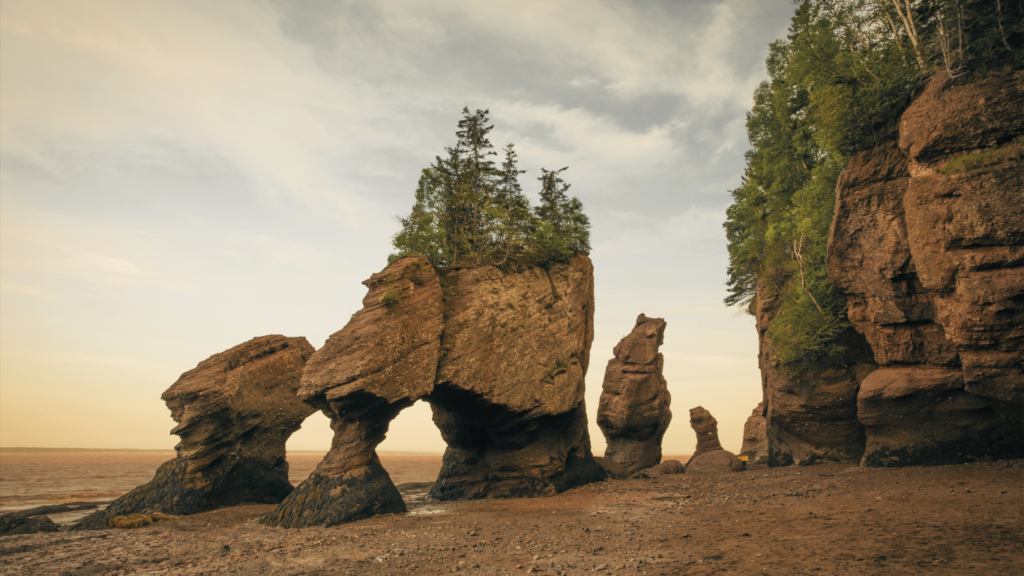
<point>468,210</point>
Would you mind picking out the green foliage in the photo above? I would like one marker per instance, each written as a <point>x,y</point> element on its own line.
<point>468,210</point>
<point>391,298</point>
<point>975,160</point>
<point>837,84</point>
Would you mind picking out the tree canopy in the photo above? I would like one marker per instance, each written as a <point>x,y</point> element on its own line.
<point>837,84</point>
<point>469,210</point>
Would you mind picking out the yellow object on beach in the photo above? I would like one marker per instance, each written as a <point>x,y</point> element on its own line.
<point>743,458</point>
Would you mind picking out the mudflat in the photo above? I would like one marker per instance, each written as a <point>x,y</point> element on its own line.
<point>966,519</point>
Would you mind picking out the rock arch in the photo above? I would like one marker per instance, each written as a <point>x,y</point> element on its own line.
<point>501,358</point>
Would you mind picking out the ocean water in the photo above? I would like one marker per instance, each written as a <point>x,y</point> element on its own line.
<point>30,479</point>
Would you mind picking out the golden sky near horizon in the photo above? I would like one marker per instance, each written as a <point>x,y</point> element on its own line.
<point>178,177</point>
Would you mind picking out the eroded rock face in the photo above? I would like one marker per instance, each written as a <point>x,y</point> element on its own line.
<point>235,411</point>
<point>634,410</point>
<point>755,436</point>
<point>381,362</point>
<point>508,396</point>
<point>931,264</point>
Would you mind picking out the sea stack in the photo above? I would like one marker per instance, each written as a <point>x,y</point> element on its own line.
<point>634,409</point>
<point>709,457</point>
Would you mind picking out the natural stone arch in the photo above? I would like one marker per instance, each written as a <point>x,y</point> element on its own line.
<point>235,412</point>
<point>501,358</point>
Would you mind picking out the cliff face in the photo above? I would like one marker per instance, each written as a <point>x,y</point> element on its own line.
<point>927,243</point>
<point>501,357</point>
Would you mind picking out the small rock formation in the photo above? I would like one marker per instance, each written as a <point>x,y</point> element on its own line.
<point>634,409</point>
<point>14,523</point>
<point>929,257</point>
<point>709,457</point>
<point>235,411</point>
<point>755,436</point>
<point>382,361</point>
<point>501,358</point>
<point>706,427</point>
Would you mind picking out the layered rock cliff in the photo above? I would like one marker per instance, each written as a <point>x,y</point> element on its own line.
<point>501,358</point>
<point>235,411</point>
<point>927,244</point>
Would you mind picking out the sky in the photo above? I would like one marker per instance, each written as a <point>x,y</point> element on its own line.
<point>178,177</point>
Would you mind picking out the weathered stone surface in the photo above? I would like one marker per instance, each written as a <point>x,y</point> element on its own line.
<point>714,462</point>
<point>235,411</point>
<point>634,409</point>
<point>381,362</point>
<point>508,397</point>
<point>755,436</point>
<point>706,427</point>
<point>931,264</point>
<point>923,416</point>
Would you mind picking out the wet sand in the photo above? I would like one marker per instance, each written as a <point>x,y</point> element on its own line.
<point>948,520</point>
<point>30,479</point>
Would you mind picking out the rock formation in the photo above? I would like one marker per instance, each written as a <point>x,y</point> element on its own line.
<point>927,243</point>
<point>634,409</point>
<point>501,357</point>
<point>235,411</point>
<point>755,436</point>
<point>706,427</point>
<point>709,457</point>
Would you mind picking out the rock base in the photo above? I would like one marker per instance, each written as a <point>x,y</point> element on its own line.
<point>329,501</point>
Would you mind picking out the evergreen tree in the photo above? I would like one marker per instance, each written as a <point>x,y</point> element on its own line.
<point>469,211</point>
<point>562,227</point>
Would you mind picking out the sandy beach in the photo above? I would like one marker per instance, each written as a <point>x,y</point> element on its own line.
<point>966,519</point>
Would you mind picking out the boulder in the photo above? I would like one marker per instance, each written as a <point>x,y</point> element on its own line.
<point>634,408</point>
<point>928,255</point>
<point>714,462</point>
<point>381,362</point>
<point>671,467</point>
<point>235,411</point>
